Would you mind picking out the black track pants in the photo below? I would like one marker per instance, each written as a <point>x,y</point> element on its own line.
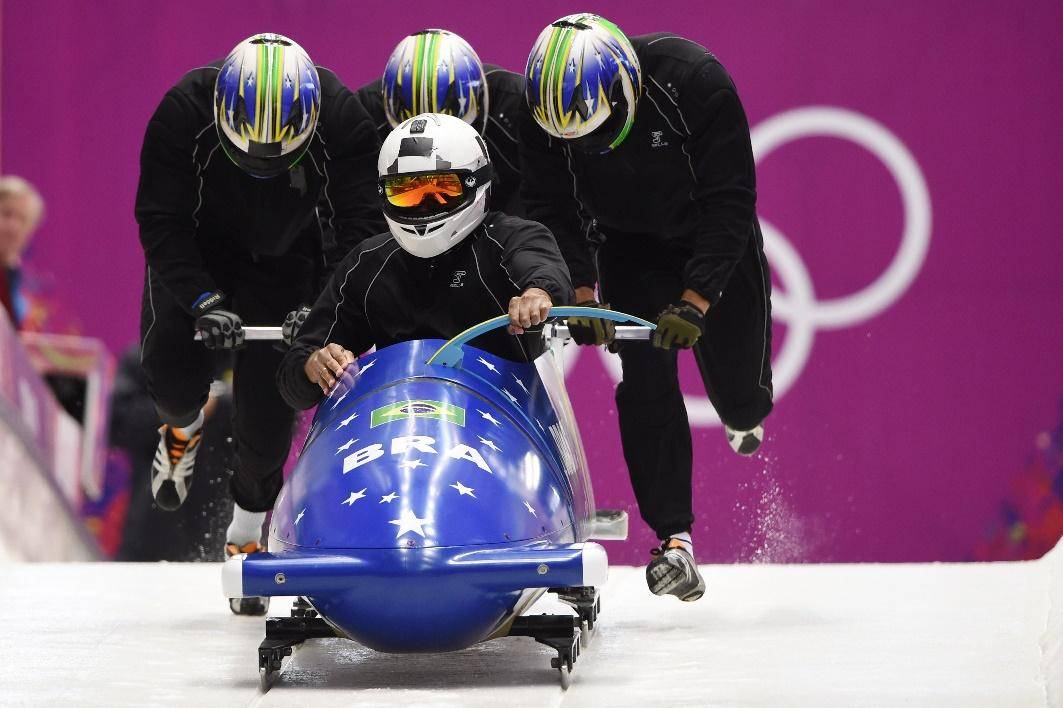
<point>640,276</point>
<point>179,370</point>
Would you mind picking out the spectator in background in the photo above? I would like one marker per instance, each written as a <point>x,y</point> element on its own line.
<point>21,210</point>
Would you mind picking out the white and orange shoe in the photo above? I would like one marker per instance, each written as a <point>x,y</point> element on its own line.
<point>175,460</point>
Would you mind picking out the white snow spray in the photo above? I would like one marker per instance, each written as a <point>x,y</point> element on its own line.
<point>779,534</point>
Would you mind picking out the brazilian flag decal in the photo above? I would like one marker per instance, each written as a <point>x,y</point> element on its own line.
<point>403,410</point>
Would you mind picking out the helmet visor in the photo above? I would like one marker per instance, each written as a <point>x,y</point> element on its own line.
<point>424,194</point>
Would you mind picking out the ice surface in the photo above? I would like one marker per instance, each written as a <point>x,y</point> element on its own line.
<point>858,635</point>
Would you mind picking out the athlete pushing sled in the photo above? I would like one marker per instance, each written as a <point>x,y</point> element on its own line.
<point>446,263</point>
<point>240,160</point>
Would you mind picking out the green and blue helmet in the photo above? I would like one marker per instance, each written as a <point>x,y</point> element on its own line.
<point>435,71</point>
<point>266,104</point>
<point>584,82</point>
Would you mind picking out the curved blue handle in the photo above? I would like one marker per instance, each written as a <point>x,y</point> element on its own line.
<point>450,353</point>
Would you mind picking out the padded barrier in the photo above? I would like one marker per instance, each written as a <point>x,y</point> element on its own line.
<point>40,465</point>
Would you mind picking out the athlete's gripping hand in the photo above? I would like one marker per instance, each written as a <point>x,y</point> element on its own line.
<point>218,328</point>
<point>326,365</point>
<point>529,309</point>
<point>679,326</point>
<point>592,330</point>
<point>293,323</point>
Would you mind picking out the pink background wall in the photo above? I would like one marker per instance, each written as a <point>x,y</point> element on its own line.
<point>902,428</point>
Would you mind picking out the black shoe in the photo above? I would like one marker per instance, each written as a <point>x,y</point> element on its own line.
<point>253,606</point>
<point>673,571</point>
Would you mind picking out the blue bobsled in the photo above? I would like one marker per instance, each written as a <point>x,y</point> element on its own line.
<point>440,492</point>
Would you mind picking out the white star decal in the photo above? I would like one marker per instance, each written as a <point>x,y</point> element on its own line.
<point>355,496</point>
<point>463,490</point>
<point>530,510</point>
<point>345,421</point>
<point>521,384</point>
<point>340,399</point>
<point>490,443</point>
<point>346,445</point>
<point>510,396</point>
<point>388,498</point>
<point>411,464</point>
<point>409,522</point>
<point>488,417</point>
<point>299,517</point>
<point>366,368</point>
<point>488,364</point>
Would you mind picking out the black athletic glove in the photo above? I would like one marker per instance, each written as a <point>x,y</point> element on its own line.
<point>218,328</point>
<point>678,326</point>
<point>591,330</point>
<point>293,323</point>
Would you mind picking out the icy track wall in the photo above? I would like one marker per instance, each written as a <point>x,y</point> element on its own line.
<point>909,219</point>
<point>40,465</point>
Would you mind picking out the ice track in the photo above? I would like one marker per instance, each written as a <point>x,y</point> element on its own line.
<point>859,635</point>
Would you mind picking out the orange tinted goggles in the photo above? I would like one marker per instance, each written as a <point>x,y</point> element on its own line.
<point>441,188</point>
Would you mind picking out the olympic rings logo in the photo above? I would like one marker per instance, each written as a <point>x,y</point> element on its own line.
<point>797,306</point>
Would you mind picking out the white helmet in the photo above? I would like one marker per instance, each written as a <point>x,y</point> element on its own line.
<point>435,175</point>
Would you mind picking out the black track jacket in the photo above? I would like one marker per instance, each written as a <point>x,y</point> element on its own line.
<point>684,173</point>
<point>198,211</point>
<point>380,294</point>
<point>505,99</point>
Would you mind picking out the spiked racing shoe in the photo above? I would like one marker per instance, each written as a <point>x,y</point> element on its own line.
<point>171,472</point>
<point>745,442</point>
<point>246,605</point>
<point>674,572</point>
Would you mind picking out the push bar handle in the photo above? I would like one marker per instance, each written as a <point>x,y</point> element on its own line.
<point>252,334</point>
<point>627,332</point>
<point>450,353</point>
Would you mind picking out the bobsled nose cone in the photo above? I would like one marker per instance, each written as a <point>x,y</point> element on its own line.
<point>499,569</point>
<point>425,600</point>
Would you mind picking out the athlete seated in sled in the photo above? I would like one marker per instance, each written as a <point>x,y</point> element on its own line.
<point>446,264</point>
